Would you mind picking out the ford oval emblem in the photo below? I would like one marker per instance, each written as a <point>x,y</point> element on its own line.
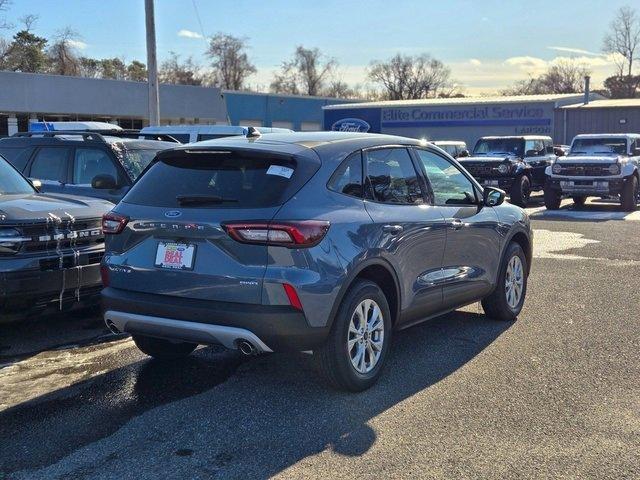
<point>351,125</point>
<point>173,213</point>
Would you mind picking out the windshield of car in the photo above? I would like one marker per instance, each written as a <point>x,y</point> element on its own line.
<point>135,155</point>
<point>11,182</point>
<point>510,146</point>
<point>601,146</point>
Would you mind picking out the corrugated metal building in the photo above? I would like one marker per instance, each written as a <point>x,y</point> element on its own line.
<point>29,96</point>
<point>464,119</point>
<point>597,116</point>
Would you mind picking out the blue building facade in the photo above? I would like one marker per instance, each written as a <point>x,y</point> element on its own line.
<point>273,110</point>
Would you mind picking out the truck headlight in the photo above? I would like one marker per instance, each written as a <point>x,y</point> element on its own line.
<point>614,169</point>
<point>504,168</point>
<point>10,240</point>
<point>557,168</point>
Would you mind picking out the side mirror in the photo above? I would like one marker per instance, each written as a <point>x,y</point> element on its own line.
<point>492,197</point>
<point>463,153</point>
<point>558,152</point>
<point>104,182</point>
<point>35,183</point>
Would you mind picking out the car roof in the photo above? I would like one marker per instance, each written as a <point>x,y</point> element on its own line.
<point>72,139</point>
<point>297,141</point>
<point>607,135</point>
<point>523,137</point>
<point>448,142</point>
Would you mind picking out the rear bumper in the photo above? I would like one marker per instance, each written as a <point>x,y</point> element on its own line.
<point>586,186</point>
<point>267,327</point>
<point>25,291</point>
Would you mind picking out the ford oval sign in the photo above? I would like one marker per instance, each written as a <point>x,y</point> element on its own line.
<point>351,125</point>
<point>172,213</point>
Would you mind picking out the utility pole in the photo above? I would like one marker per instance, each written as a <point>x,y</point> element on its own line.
<point>152,64</point>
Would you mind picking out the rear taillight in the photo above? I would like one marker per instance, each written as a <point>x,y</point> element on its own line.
<point>299,234</point>
<point>112,223</point>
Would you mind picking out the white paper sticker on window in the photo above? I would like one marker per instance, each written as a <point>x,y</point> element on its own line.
<point>281,171</point>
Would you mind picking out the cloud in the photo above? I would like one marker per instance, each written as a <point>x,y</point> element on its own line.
<point>531,65</point>
<point>576,50</point>
<point>77,44</point>
<point>189,34</point>
<point>475,62</point>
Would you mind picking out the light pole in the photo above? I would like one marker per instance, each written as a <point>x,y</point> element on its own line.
<point>152,64</point>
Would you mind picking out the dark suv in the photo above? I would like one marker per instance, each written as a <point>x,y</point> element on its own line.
<point>514,164</point>
<point>93,164</point>
<point>322,242</point>
<point>50,247</point>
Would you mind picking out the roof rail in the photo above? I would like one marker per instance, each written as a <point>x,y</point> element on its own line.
<point>86,136</point>
<point>98,135</point>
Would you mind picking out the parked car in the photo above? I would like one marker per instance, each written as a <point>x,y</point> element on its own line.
<point>598,165</point>
<point>199,133</point>
<point>454,148</point>
<point>92,164</point>
<point>514,164</point>
<point>322,242</point>
<point>50,247</point>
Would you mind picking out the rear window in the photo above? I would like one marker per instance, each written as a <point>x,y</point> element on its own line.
<point>219,180</point>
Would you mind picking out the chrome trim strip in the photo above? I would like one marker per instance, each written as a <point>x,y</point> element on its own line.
<point>183,330</point>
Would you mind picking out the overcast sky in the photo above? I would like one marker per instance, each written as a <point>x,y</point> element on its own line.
<point>488,44</point>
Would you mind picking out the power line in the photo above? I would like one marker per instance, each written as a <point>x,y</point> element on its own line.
<point>195,7</point>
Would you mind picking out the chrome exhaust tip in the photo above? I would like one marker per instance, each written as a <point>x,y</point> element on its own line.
<point>246,348</point>
<point>111,326</point>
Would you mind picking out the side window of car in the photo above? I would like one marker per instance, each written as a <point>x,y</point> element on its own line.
<point>347,178</point>
<point>89,162</point>
<point>17,156</point>
<point>548,146</point>
<point>50,164</point>
<point>450,186</point>
<point>391,177</point>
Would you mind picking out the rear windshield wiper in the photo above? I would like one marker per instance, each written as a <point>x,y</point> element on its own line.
<point>203,199</point>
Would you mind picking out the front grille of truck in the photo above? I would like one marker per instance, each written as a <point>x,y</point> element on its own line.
<point>60,236</point>
<point>585,170</point>
<point>481,168</point>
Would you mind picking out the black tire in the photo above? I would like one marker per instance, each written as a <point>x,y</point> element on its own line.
<point>163,349</point>
<point>579,201</point>
<point>496,305</point>
<point>333,360</point>
<point>552,198</point>
<point>521,191</point>
<point>629,195</point>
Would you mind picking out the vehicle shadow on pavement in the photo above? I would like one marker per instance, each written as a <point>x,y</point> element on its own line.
<point>266,413</point>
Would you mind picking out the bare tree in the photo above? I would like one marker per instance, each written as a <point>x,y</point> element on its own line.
<point>4,6</point>
<point>566,76</point>
<point>624,39</point>
<point>306,73</point>
<point>340,89</point>
<point>174,70</point>
<point>229,60</point>
<point>29,21</point>
<point>63,54</point>
<point>405,77</point>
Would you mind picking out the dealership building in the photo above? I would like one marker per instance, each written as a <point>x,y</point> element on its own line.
<point>26,97</point>
<point>558,116</point>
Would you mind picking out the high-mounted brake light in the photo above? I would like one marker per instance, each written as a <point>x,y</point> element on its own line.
<point>112,223</point>
<point>295,234</point>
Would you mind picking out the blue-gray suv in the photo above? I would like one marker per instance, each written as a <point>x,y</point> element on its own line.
<point>320,242</point>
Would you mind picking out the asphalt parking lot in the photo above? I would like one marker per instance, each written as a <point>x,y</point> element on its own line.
<point>554,395</point>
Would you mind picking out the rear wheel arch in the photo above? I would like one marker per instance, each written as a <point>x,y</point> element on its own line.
<point>381,273</point>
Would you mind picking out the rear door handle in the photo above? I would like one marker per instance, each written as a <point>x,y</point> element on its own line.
<point>456,223</point>
<point>392,229</point>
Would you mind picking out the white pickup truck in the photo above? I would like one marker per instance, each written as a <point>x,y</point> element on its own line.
<point>598,165</point>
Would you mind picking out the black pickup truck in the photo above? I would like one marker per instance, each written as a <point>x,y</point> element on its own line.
<point>50,247</point>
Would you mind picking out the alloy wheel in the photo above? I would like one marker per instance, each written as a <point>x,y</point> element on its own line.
<point>514,282</point>
<point>366,336</point>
